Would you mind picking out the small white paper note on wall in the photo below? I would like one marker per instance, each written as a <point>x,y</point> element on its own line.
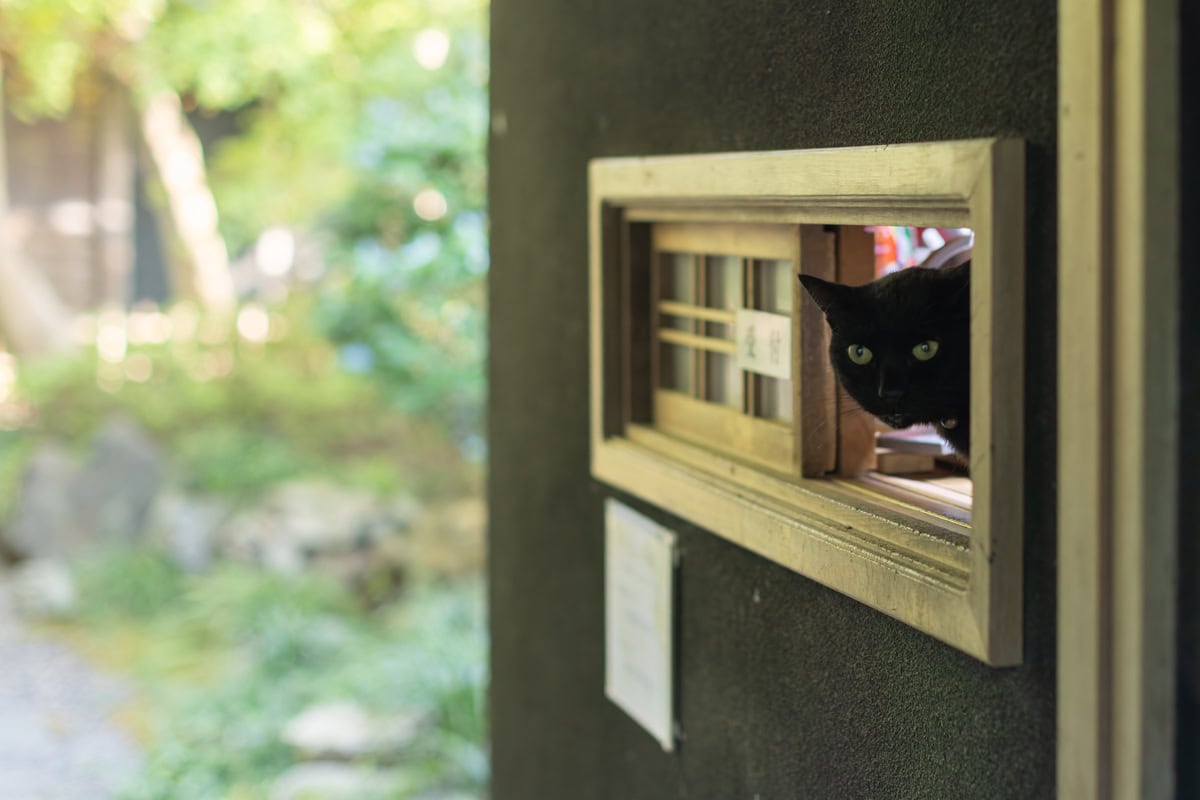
<point>764,343</point>
<point>639,594</point>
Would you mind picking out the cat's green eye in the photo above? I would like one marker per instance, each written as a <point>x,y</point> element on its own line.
<point>859,354</point>
<point>926,350</point>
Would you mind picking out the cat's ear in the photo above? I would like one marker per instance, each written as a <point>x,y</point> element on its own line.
<point>959,273</point>
<point>834,299</point>
<point>958,280</point>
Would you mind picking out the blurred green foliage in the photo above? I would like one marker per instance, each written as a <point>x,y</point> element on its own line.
<point>15,448</point>
<point>236,417</point>
<point>122,585</point>
<point>343,113</point>
<point>409,302</point>
<point>50,43</point>
<point>223,660</point>
<point>337,129</point>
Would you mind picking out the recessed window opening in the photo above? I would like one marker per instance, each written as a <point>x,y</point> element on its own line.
<point>733,359</point>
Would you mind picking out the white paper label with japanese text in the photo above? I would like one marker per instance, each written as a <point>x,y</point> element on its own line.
<point>764,343</point>
<point>639,619</point>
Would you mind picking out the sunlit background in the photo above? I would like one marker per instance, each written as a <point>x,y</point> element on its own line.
<point>242,260</point>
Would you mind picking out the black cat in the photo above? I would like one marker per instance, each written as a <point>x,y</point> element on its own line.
<point>901,346</point>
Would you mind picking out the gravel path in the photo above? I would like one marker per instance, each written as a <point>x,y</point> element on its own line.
<point>57,737</point>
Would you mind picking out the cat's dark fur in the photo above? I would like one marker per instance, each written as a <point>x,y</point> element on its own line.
<point>891,316</point>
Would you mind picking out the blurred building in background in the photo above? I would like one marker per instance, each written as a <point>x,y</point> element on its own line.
<point>78,205</point>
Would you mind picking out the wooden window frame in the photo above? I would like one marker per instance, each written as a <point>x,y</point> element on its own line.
<point>958,583</point>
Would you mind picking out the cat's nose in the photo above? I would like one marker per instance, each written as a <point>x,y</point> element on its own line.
<point>889,387</point>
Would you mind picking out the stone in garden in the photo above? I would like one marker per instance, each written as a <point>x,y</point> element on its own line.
<point>317,525</point>
<point>253,536</point>
<point>330,730</point>
<point>43,587</point>
<point>185,526</point>
<point>338,781</point>
<point>43,522</point>
<point>324,517</point>
<point>350,568</point>
<point>118,481</point>
<point>345,731</point>
<point>64,507</point>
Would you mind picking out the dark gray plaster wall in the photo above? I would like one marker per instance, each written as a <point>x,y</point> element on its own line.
<point>786,689</point>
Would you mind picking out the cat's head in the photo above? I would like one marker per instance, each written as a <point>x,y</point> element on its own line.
<point>901,344</point>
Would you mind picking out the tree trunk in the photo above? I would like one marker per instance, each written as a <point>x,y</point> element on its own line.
<point>201,262</point>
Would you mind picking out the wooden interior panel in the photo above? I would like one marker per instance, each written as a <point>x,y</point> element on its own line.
<point>637,324</point>
<point>856,428</point>
<point>609,370</point>
<point>816,420</point>
<point>759,440</point>
<point>747,240</point>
